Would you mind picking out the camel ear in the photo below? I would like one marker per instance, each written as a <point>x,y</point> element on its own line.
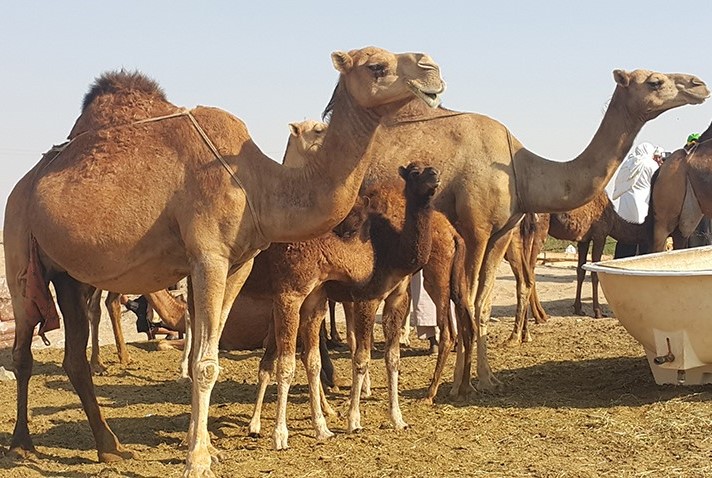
<point>342,61</point>
<point>294,129</point>
<point>622,77</point>
<point>403,171</point>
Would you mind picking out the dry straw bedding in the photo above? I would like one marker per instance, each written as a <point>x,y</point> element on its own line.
<point>579,401</point>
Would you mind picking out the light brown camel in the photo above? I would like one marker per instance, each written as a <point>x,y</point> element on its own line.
<point>170,309</point>
<point>444,273</point>
<point>490,180</point>
<point>215,201</point>
<point>306,137</point>
<point>680,194</point>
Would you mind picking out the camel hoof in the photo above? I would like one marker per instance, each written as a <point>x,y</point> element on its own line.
<point>21,452</point>
<point>426,400</point>
<point>401,425</point>
<point>491,384</point>
<point>356,429</point>
<point>541,320</point>
<point>280,440</point>
<point>527,338</point>
<point>119,454</point>
<point>512,341</point>
<point>98,369</point>
<point>254,435</point>
<point>198,472</point>
<point>325,434</point>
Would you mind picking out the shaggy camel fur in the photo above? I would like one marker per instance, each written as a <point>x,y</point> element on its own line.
<point>216,201</point>
<point>681,192</point>
<point>490,180</point>
<point>298,273</point>
<point>444,273</point>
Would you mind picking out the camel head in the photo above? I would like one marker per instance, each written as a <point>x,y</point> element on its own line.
<point>375,77</point>
<point>420,180</point>
<point>649,93</point>
<point>307,136</point>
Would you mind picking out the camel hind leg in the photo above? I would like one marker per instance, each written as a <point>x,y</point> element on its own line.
<point>22,361</point>
<point>72,300</point>
<point>113,305</point>
<point>95,363</point>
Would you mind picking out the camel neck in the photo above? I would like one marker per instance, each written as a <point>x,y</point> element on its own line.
<point>318,195</point>
<point>550,186</point>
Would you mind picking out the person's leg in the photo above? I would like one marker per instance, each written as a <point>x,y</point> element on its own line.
<point>424,311</point>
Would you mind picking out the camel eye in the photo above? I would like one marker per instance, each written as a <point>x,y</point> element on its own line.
<point>655,84</point>
<point>379,71</point>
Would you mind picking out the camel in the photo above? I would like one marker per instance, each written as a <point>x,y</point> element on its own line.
<point>444,274</point>
<point>680,192</point>
<point>490,180</point>
<point>215,201</point>
<point>298,275</point>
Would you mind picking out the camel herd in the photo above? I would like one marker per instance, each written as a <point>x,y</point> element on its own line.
<point>395,183</point>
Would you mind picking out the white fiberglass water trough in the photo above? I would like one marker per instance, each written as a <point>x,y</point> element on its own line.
<point>664,301</point>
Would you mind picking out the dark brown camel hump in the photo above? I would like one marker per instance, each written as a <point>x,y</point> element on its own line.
<point>122,80</point>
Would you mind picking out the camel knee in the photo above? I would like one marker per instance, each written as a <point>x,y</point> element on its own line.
<point>205,372</point>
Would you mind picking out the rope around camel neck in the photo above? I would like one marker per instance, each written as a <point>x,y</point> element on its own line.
<point>183,112</point>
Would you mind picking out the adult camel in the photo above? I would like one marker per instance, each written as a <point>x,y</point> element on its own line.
<point>83,218</point>
<point>681,192</point>
<point>490,180</point>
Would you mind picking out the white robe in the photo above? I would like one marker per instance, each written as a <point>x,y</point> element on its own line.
<point>632,186</point>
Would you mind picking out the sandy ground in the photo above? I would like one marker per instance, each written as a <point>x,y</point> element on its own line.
<point>578,401</point>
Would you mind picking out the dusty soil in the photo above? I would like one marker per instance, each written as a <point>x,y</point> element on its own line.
<point>579,401</point>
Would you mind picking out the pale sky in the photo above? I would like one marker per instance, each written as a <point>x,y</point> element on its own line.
<point>544,69</point>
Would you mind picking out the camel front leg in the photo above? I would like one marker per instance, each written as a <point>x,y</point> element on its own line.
<point>596,253</point>
<point>72,300</point>
<point>214,292</point>
<point>395,311</point>
<point>286,325</point>
<point>483,307</point>
<point>580,275</point>
<point>363,320</point>
<point>350,317</point>
<point>312,317</point>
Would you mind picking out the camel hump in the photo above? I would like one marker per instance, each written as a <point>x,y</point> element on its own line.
<point>123,81</point>
<point>121,97</point>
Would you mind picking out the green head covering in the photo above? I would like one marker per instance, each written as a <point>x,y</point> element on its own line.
<point>693,137</point>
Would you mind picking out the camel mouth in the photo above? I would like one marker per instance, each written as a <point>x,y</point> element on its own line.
<point>697,94</point>
<point>430,96</point>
